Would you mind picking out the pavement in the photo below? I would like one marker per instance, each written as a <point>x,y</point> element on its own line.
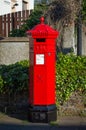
<point>11,122</point>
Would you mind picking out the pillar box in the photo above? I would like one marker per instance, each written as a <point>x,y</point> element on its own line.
<point>42,57</point>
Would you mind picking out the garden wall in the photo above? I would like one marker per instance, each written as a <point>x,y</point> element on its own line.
<point>13,49</point>
<point>70,40</point>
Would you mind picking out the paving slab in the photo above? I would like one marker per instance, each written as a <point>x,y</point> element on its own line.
<point>61,121</point>
<point>7,119</point>
<point>72,120</point>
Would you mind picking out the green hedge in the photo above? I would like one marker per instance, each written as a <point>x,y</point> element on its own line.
<point>70,76</point>
<point>14,77</point>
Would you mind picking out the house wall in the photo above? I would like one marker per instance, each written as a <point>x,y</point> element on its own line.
<point>20,5</point>
<point>5,7</point>
<point>13,50</point>
<point>31,4</point>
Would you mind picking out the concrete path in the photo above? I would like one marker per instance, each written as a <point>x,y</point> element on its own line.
<point>62,123</point>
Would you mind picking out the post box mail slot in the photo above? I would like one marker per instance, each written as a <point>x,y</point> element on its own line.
<point>40,40</point>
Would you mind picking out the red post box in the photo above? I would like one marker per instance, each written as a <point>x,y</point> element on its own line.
<point>42,47</point>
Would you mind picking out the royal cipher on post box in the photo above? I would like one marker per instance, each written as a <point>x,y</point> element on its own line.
<point>42,54</point>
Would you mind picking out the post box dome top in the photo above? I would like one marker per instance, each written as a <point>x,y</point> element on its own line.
<point>43,31</point>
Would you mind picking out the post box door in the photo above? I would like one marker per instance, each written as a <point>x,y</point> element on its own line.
<point>40,87</point>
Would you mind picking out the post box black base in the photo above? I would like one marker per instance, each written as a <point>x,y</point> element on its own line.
<point>43,114</point>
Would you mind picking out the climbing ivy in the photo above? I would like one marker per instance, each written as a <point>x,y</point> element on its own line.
<point>70,76</point>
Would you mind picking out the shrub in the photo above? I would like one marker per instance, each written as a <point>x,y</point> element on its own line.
<point>1,85</point>
<point>17,33</point>
<point>30,22</point>
<point>70,76</point>
<point>15,77</point>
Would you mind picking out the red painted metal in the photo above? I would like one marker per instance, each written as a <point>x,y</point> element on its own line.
<point>42,64</point>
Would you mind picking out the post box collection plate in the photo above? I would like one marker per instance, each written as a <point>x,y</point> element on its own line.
<point>39,59</point>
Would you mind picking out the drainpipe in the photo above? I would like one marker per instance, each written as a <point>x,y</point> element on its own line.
<point>79,31</point>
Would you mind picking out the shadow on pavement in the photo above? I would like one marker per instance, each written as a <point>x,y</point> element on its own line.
<point>18,112</point>
<point>39,127</point>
